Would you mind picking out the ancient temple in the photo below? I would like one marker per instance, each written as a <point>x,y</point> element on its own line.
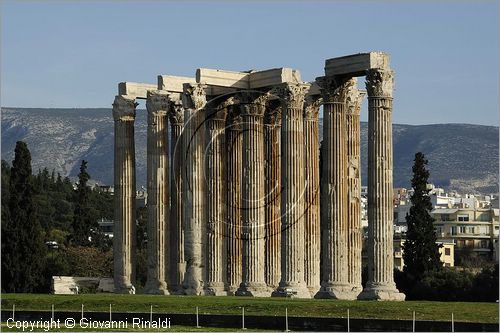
<point>239,202</point>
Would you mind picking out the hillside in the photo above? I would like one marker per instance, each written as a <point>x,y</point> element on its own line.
<point>461,157</point>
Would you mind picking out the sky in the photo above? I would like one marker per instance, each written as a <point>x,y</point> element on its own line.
<point>73,53</point>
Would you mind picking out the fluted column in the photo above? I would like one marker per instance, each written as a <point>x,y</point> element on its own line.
<point>158,196</point>
<point>312,232</point>
<point>177,266</point>
<point>252,112</point>
<point>334,189</point>
<point>380,285</point>
<point>124,196</point>
<point>216,196</point>
<point>194,100</point>
<point>272,126</point>
<point>354,236</point>
<point>292,198</point>
<point>234,142</point>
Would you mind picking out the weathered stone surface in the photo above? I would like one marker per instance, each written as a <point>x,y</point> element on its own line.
<point>234,144</point>
<point>194,100</point>
<point>292,198</point>
<point>312,232</point>
<point>67,285</point>
<point>272,135</point>
<point>380,283</point>
<point>354,235</point>
<point>334,189</point>
<point>246,80</point>
<point>252,112</point>
<point>177,265</point>
<point>173,83</point>
<point>158,192</point>
<point>135,90</point>
<point>357,64</point>
<point>216,189</point>
<point>124,195</point>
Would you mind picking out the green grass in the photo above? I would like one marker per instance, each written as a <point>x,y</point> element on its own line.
<point>463,311</point>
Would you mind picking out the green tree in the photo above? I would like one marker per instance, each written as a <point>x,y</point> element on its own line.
<point>421,253</point>
<point>23,249</point>
<point>84,218</point>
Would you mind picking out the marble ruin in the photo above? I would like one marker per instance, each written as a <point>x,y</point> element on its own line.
<point>239,202</point>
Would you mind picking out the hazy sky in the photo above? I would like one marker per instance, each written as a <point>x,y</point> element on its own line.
<point>73,54</point>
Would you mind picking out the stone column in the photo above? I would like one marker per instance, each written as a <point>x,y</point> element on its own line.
<point>312,232</point>
<point>158,196</point>
<point>216,195</point>
<point>177,264</point>
<point>334,189</point>
<point>380,285</point>
<point>252,111</point>
<point>354,236</point>
<point>292,198</point>
<point>124,196</point>
<point>234,142</point>
<point>194,100</point>
<point>272,126</point>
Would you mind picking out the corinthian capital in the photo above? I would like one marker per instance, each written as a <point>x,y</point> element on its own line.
<point>252,103</point>
<point>194,96</point>
<point>176,112</point>
<point>273,113</point>
<point>379,82</point>
<point>124,108</point>
<point>157,102</point>
<point>311,107</point>
<point>291,94</point>
<point>335,89</point>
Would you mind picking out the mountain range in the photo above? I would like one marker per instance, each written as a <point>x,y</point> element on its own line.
<point>462,157</point>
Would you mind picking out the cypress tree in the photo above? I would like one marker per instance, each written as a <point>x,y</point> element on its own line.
<point>23,250</point>
<point>421,253</point>
<point>84,219</point>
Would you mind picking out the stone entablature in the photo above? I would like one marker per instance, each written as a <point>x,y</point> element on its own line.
<point>237,206</point>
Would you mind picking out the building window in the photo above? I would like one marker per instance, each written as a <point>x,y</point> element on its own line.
<point>447,252</point>
<point>461,230</point>
<point>453,230</point>
<point>463,218</point>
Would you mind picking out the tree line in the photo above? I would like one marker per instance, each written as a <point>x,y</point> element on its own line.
<point>46,207</point>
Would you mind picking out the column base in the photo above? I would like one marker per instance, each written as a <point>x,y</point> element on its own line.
<point>156,288</point>
<point>231,290</point>
<point>292,291</point>
<point>215,289</point>
<point>313,290</point>
<point>252,289</point>
<point>192,285</point>
<point>123,286</point>
<point>381,292</point>
<point>336,291</point>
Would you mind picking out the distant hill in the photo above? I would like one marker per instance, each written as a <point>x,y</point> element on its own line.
<point>461,157</point>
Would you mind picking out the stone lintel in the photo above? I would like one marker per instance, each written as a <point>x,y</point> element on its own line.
<point>314,89</point>
<point>173,83</point>
<point>222,78</point>
<point>273,77</point>
<point>247,80</point>
<point>135,90</point>
<point>356,64</point>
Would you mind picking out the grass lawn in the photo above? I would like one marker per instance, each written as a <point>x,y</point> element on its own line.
<point>425,310</point>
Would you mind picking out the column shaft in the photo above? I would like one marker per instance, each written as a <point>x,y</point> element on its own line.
<point>124,196</point>
<point>292,200</point>
<point>272,126</point>
<point>334,190</point>
<point>234,142</point>
<point>380,283</point>
<point>215,161</point>
<point>177,264</point>
<point>194,188</point>
<point>158,196</point>
<point>312,232</point>
<point>253,219</point>
<point>354,239</point>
